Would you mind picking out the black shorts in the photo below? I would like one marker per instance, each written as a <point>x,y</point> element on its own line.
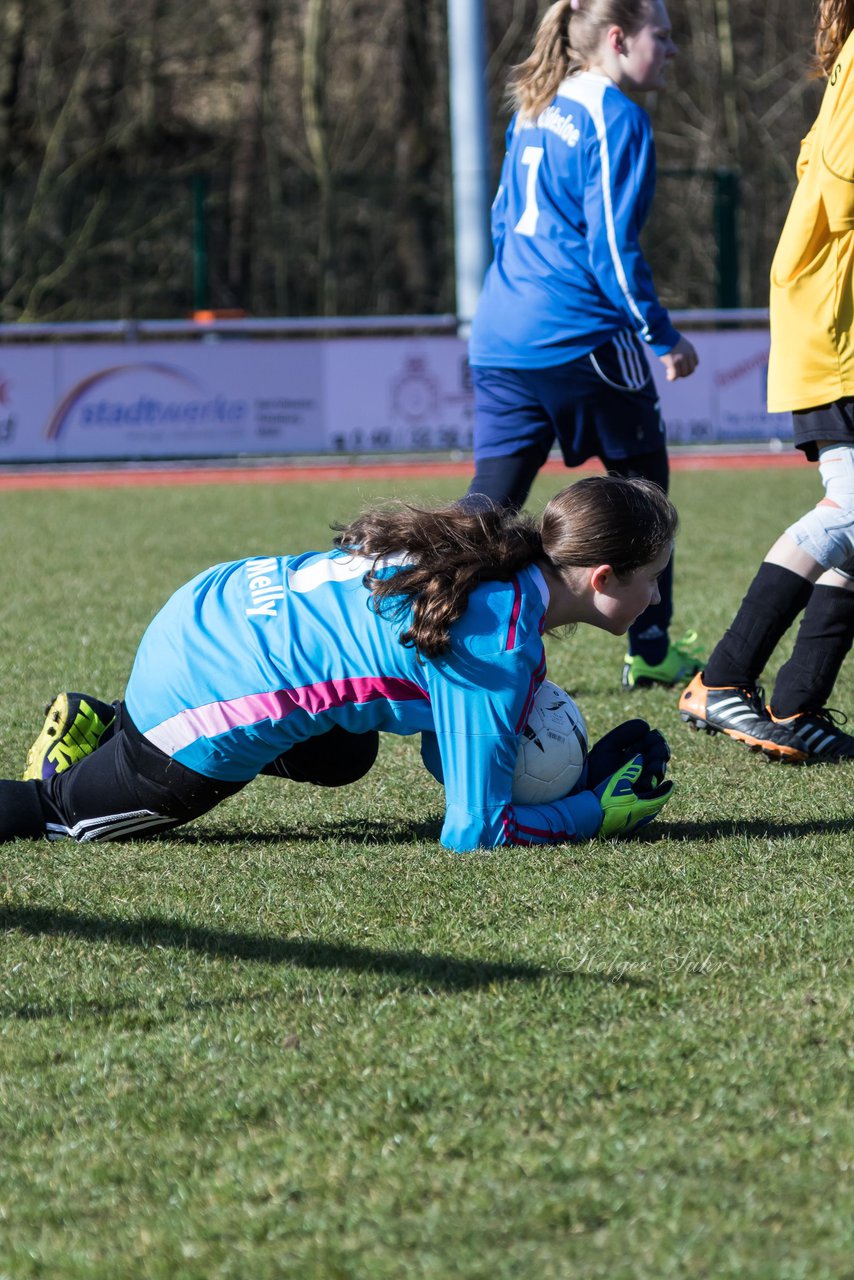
<point>833,422</point>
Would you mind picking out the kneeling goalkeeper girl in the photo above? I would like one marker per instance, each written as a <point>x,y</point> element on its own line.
<point>417,621</point>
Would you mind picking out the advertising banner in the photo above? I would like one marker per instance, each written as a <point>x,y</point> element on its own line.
<point>227,397</point>
<point>161,400</point>
<point>397,394</point>
<point>28,384</point>
<point>723,401</point>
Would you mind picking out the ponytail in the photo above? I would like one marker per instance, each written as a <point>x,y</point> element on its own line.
<point>566,41</point>
<point>439,556</point>
<point>447,553</point>
<point>535,82</point>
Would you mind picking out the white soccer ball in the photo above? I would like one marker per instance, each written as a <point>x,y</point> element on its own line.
<point>552,749</point>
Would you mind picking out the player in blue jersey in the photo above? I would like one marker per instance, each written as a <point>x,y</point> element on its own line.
<point>417,621</point>
<point>568,308</point>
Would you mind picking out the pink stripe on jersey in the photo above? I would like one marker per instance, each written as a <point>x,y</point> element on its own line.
<point>219,717</point>
<point>510,642</point>
<point>536,680</point>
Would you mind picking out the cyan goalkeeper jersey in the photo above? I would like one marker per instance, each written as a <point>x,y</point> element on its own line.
<point>568,271</point>
<point>255,655</point>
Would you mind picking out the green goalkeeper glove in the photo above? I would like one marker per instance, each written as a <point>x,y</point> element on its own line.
<point>624,809</point>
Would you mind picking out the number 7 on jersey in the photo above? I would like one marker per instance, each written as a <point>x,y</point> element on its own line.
<point>527,224</point>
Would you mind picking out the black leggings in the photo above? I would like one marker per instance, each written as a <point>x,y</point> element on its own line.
<point>129,787</point>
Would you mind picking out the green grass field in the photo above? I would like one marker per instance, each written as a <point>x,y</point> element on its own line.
<point>299,1039</point>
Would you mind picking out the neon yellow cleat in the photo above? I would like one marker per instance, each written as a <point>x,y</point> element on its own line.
<point>74,726</point>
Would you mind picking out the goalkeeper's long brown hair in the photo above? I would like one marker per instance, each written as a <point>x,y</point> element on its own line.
<point>447,551</point>
<point>835,22</point>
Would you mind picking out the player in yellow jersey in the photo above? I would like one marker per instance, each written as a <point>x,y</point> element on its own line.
<point>810,567</point>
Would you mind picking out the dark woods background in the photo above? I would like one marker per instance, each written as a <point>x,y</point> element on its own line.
<point>292,157</point>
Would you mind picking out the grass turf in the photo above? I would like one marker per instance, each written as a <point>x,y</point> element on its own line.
<point>299,1039</point>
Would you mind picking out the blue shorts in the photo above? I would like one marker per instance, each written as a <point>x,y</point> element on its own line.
<point>604,405</point>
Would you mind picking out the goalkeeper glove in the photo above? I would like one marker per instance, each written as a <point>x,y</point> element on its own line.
<point>628,801</point>
<point>617,748</point>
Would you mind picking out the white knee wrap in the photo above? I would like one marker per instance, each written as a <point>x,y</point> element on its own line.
<point>836,467</point>
<point>827,533</point>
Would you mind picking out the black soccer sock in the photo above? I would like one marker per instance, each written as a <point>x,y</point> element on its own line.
<point>806,681</point>
<point>20,811</point>
<point>774,599</point>
<point>648,636</point>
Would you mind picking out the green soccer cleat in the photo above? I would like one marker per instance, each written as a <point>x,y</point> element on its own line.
<point>75,725</point>
<point>682,661</point>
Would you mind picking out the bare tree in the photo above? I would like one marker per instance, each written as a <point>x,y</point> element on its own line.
<point>319,129</point>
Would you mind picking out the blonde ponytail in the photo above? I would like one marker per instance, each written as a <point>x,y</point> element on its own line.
<point>566,41</point>
<point>535,81</point>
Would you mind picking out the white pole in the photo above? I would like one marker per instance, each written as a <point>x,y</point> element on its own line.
<point>469,151</point>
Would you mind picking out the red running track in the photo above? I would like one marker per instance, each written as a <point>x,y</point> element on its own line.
<point>105,477</point>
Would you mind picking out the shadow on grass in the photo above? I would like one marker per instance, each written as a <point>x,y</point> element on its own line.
<point>367,832</point>
<point>751,827</point>
<point>423,971</point>
<point>359,831</point>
